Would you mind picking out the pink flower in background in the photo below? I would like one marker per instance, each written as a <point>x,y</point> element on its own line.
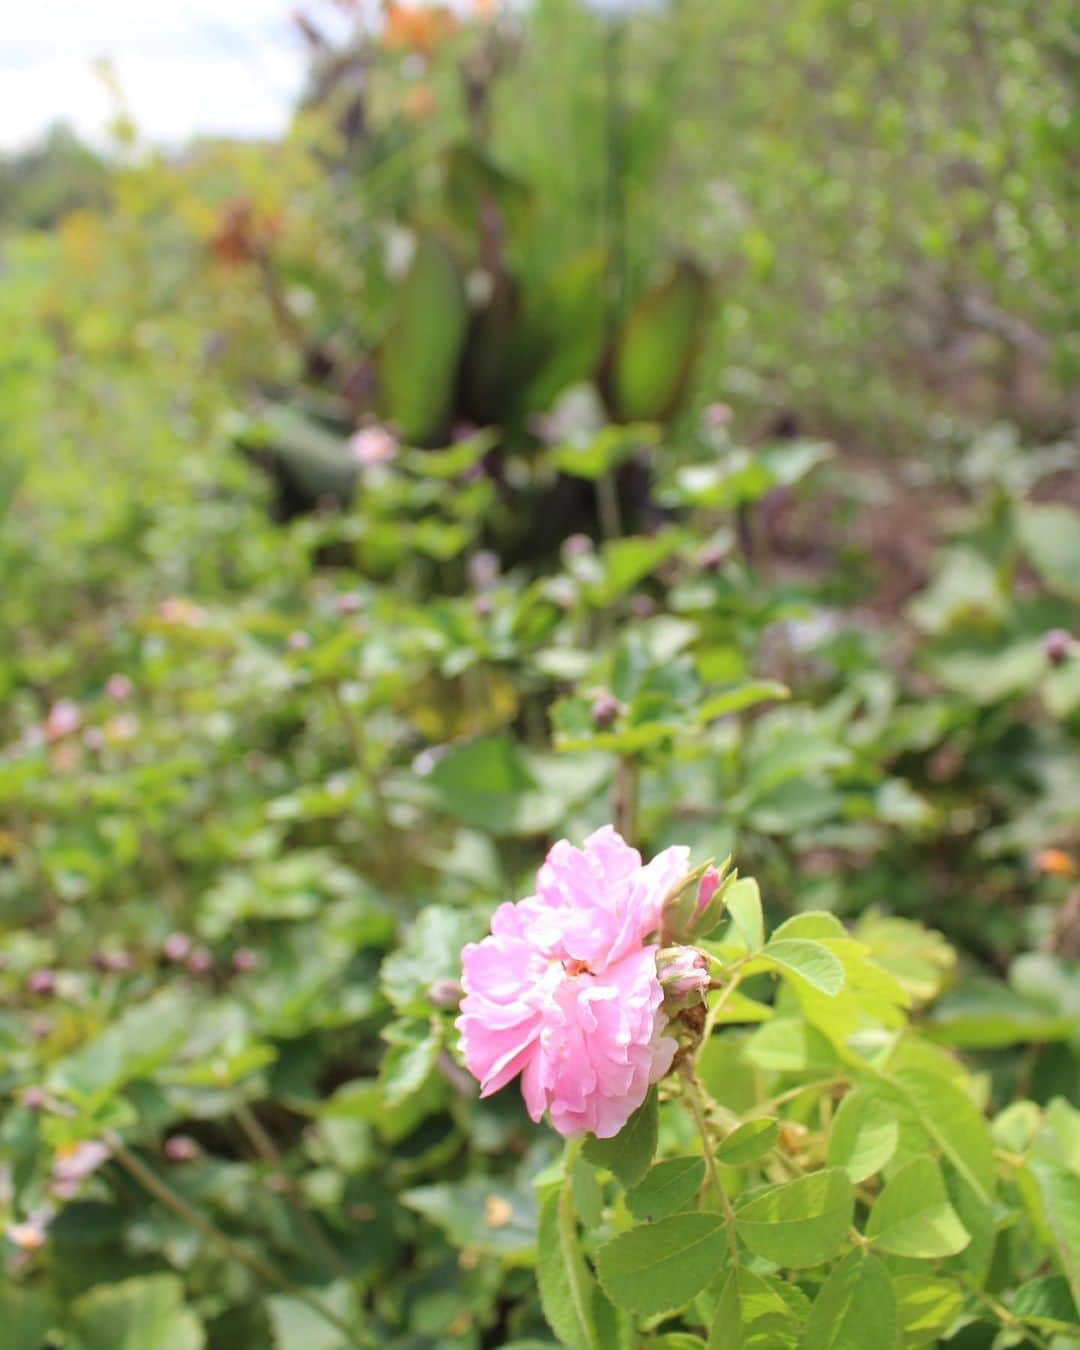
<point>64,717</point>
<point>373,445</point>
<point>565,989</point>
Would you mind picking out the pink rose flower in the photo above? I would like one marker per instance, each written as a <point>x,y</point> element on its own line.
<point>373,445</point>
<point>565,990</point>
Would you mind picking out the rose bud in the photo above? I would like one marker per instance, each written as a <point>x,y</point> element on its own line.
<point>35,1099</point>
<point>445,993</point>
<point>200,961</point>
<point>712,558</point>
<point>119,688</point>
<point>180,1148</point>
<point>244,959</point>
<point>41,982</point>
<point>605,709</point>
<point>683,974</point>
<point>298,641</point>
<point>176,948</point>
<point>576,546</point>
<point>348,603</point>
<point>1057,646</point>
<point>707,886</point>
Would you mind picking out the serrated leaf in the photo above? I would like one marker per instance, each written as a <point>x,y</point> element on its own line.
<point>567,1288</point>
<point>666,1188</point>
<point>658,1267</point>
<point>628,1154</point>
<point>810,961</point>
<point>913,1215</point>
<point>864,1135</point>
<point>854,1308</point>
<point>954,1124</point>
<point>801,1223</point>
<point>748,1141</point>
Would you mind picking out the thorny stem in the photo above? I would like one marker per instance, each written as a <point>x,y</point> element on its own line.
<point>267,1150</point>
<point>151,1182</point>
<point>692,1096</point>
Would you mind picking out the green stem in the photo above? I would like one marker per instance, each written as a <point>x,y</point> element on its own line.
<point>267,1150</point>
<point>152,1183</point>
<point>693,1097</point>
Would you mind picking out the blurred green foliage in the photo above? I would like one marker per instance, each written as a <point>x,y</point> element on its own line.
<point>259,781</point>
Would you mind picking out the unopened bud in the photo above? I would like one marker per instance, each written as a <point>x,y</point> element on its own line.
<point>180,1148</point>
<point>710,880</point>
<point>244,960</point>
<point>1057,646</point>
<point>41,982</point>
<point>683,974</point>
<point>200,962</point>
<point>445,993</point>
<point>605,709</point>
<point>177,947</point>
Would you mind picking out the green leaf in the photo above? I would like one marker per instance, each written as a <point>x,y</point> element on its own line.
<point>630,1153</point>
<point>430,950</point>
<point>854,1308</point>
<point>1048,1302</point>
<point>913,1215</point>
<point>567,1289</point>
<point>655,353</point>
<point>810,961</point>
<point>742,697</point>
<point>954,1124</point>
<point>297,1326</point>
<point>748,1141</point>
<point>479,1213</point>
<point>136,1314</point>
<point>801,1223</point>
<point>418,363</point>
<point>926,1307</point>
<point>726,1332</point>
<point>414,1048</point>
<point>658,1267</point>
<point>790,1045</point>
<point>1050,534</point>
<point>666,1188</point>
<point>864,1135</point>
<point>747,921</point>
<point>25,1316</point>
<point>1060,1193</point>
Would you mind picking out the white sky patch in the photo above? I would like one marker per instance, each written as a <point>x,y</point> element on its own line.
<point>185,66</point>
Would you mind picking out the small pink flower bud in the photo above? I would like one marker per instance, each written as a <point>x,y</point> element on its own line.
<point>483,606</point>
<point>483,568</point>
<point>373,445</point>
<point>712,559</point>
<point>642,607</point>
<point>710,880</point>
<point>180,1148</point>
<point>445,993</point>
<point>1057,646</point>
<point>684,974</point>
<point>176,948</point>
<point>576,546</point>
<point>244,959</point>
<point>42,983</point>
<point>716,416</point>
<point>348,603</point>
<point>64,718</point>
<point>115,962</point>
<point>35,1099</point>
<point>119,688</point>
<point>299,641</point>
<point>200,961</point>
<point>605,709</point>
<point>93,738</point>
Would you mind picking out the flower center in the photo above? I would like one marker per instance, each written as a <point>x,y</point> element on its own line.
<point>576,968</point>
